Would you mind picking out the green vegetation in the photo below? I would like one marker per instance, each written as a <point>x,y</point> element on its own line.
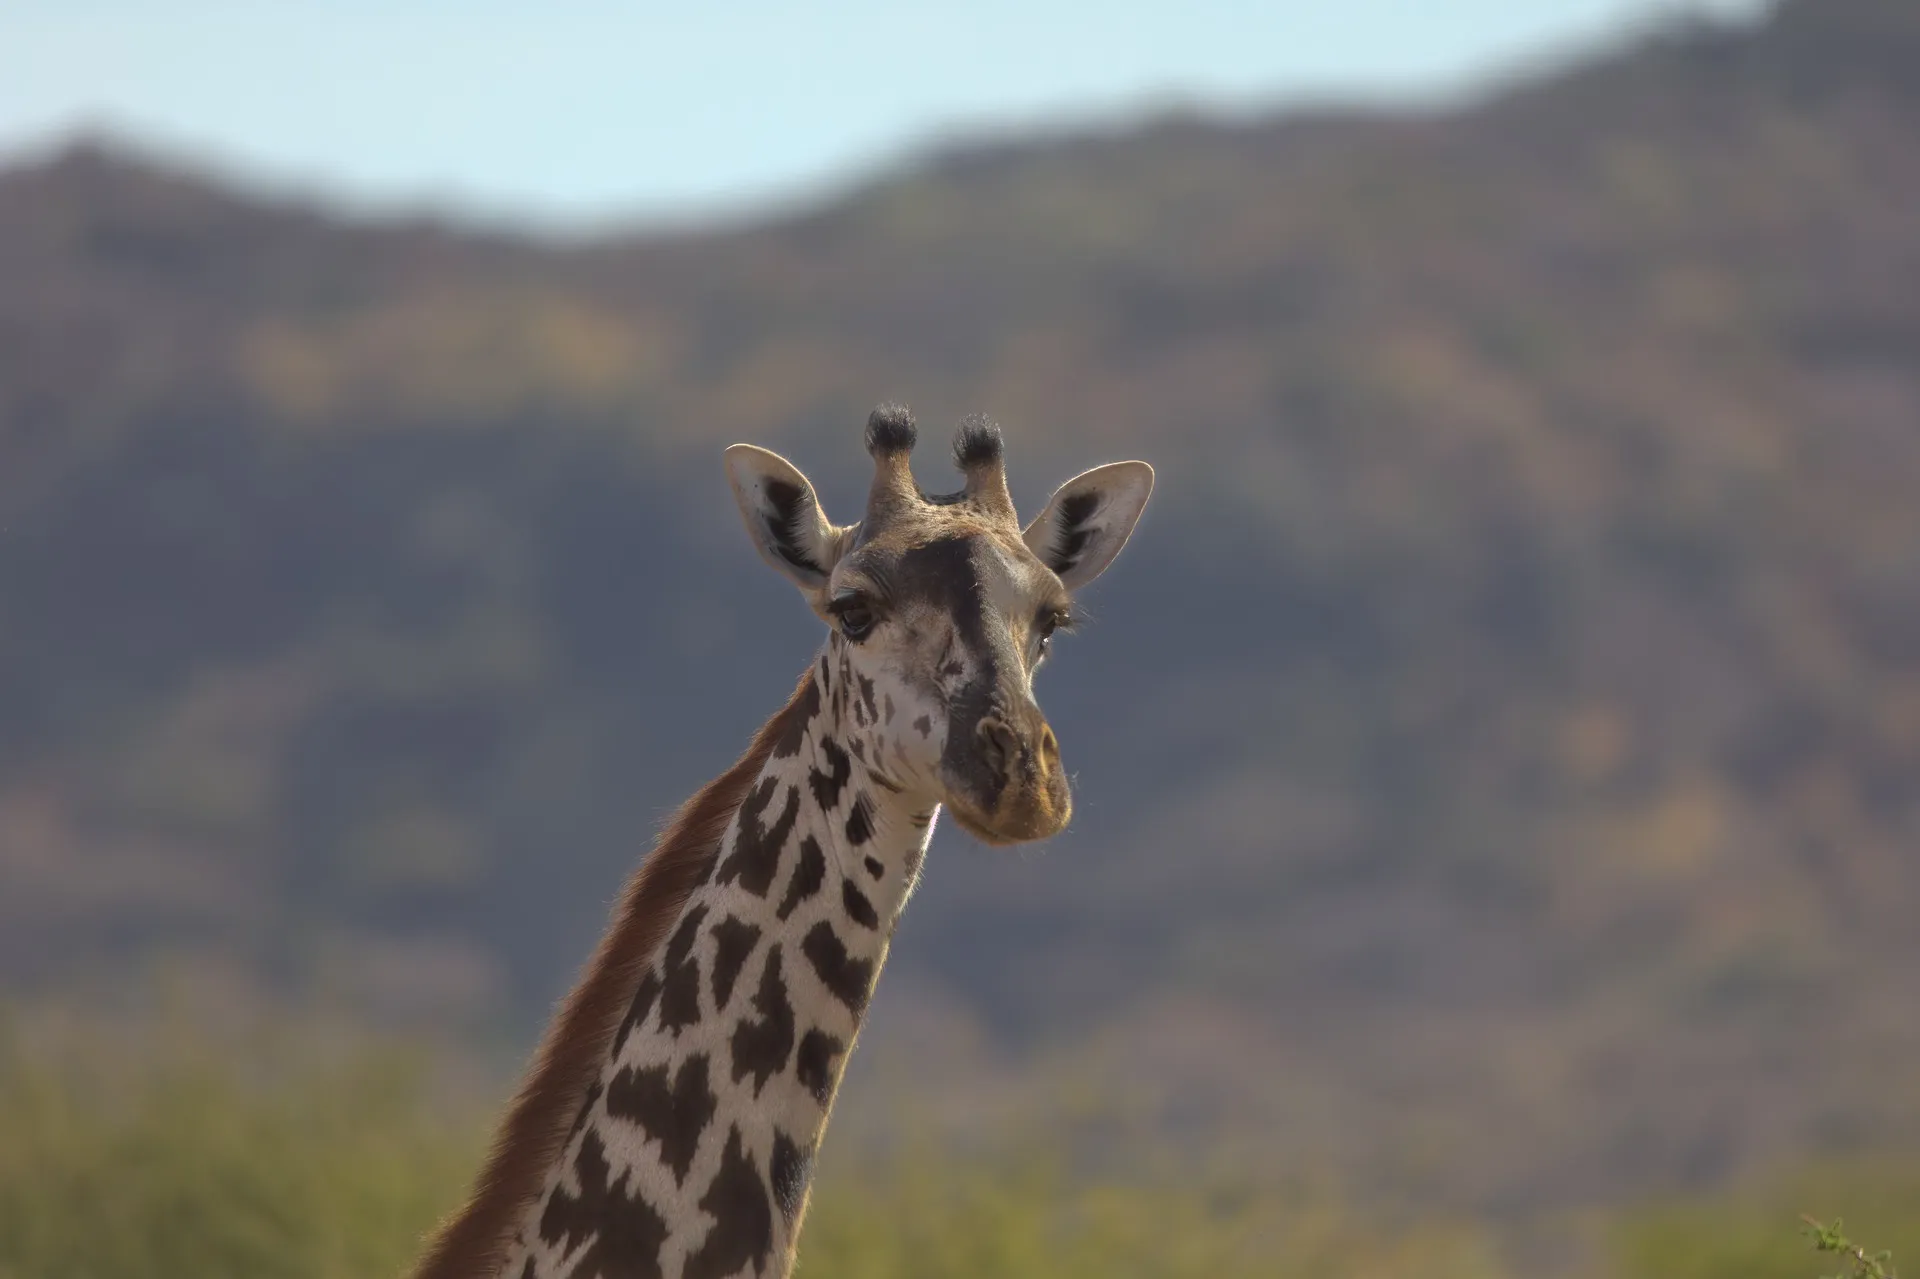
<point>137,1164</point>
<point>118,1168</point>
<point>176,1168</point>
<point>1023,1218</point>
<point>1752,1236</point>
<point>1861,1264</point>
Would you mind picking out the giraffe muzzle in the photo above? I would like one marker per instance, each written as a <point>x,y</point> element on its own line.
<point>1021,790</point>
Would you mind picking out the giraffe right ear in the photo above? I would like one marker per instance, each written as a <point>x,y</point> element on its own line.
<point>783,516</point>
<point>1089,519</point>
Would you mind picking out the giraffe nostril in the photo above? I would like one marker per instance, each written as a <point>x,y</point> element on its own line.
<point>998,745</point>
<point>1049,746</point>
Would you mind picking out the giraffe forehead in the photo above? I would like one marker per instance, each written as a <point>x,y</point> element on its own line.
<point>934,517</point>
<point>968,574</point>
<point>1012,579</point>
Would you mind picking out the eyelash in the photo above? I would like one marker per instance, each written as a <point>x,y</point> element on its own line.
<point>1053,624</point>
<point>855,614</point>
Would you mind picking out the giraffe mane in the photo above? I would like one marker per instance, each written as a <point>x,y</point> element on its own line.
<point>473,1242</point>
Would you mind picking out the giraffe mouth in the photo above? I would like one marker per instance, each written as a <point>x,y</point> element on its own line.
<point>1021,818</point>
<point>978,831</point>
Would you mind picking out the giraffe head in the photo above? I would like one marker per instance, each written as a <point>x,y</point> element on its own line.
<point>940,609</point>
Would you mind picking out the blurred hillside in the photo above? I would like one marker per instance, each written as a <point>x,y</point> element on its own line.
<point>1496,752</point>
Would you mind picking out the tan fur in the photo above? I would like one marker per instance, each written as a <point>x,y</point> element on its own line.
<point>473,1243</point>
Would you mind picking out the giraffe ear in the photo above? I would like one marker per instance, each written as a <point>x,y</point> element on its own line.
<point>1089,519</point>
<point>783,516</point>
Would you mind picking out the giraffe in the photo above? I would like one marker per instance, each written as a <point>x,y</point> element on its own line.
<point>667,1126</point>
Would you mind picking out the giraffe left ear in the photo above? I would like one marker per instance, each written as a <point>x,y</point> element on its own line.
<point>1089,519</point>
<point>783,516</point>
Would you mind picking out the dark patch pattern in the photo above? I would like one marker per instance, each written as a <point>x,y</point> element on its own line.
<point>680,980</point>
<point>846,978</point>
<point>859,909</point>
<point>794,735</point>
<point>860,822</point>
<point>827,784</point>
<point>626,1230</point>
<point>755,857</point>
<point>762,1044</point>
<point>809,872</point>
<point>924,726</point>
<point>643,997</point>
<point>787,1174</point>
<point>742,1234</point>
<point>813,1064</point>
<point>874,868</point>
<point>733,940</point>
<point>673,1114</point>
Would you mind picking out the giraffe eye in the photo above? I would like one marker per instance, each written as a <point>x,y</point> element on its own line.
<point>1047,624</point>
<point>855,616</point>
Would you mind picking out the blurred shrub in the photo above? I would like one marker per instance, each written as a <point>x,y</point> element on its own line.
<point>110,1168</point>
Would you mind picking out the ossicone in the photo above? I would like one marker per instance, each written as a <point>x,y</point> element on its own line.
<point>977,442</point>
<point>980,453</point>
<point>890,430</point>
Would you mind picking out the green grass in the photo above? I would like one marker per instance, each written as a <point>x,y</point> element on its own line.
<point>178,1170</point>
<point>130,1162</point>
<point>1022,1219</point>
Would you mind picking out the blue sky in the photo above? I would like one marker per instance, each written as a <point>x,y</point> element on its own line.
<point>576,113</point>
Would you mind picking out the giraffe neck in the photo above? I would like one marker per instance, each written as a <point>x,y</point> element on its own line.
<point>692,1152</point>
